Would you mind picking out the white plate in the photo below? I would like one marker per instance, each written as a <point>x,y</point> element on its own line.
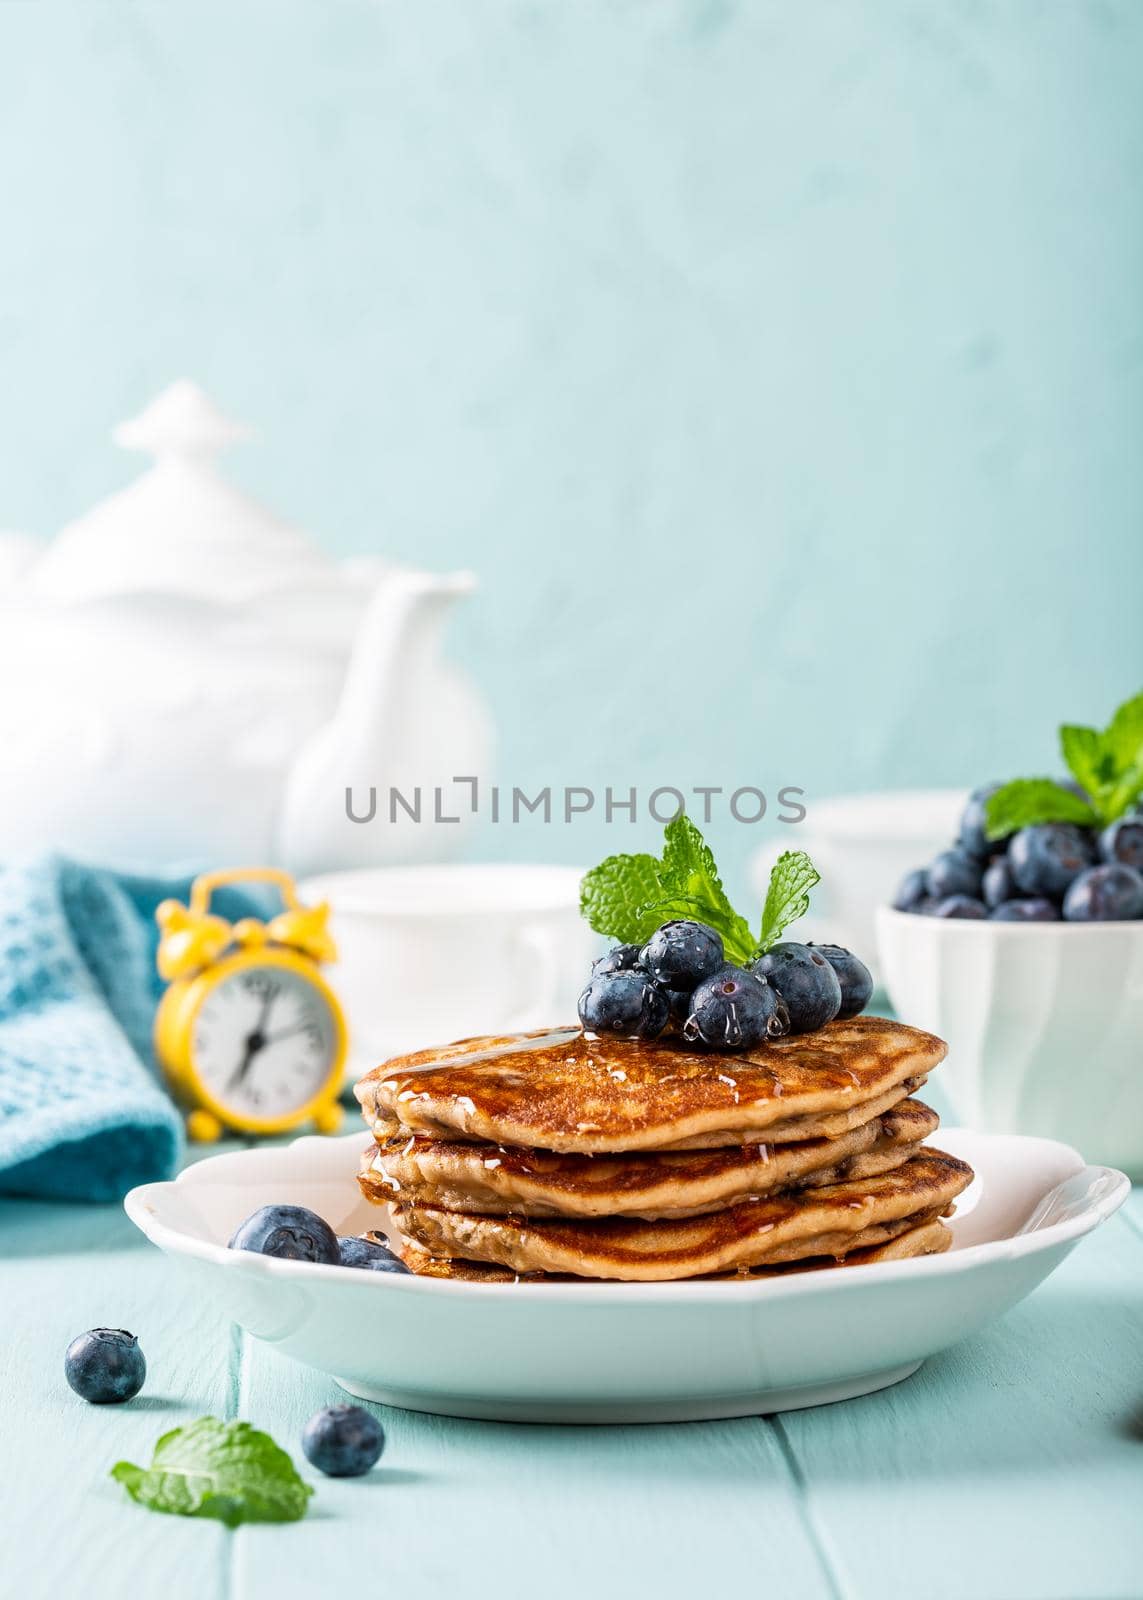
<point>616,1352</point>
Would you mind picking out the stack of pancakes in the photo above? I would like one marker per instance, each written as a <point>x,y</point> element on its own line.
<point>561,1153</point>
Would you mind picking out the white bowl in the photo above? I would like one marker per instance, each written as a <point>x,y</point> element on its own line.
<point>1044,1023</point>
<point>617,1352</point>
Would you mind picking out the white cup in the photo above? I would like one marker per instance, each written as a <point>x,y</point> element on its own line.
<point>435,953</point>
<point>863,845</point>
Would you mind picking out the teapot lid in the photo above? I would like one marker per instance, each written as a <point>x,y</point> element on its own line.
<point>180,528</point>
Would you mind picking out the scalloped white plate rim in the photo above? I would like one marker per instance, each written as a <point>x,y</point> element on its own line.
<point>1096,1194</point>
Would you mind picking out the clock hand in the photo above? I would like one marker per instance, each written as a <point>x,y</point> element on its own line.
<point>285,1033</point>
<point>255,1041</point>
<point>243,1066</point>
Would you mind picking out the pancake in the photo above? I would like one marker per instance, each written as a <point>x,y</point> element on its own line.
<point>499,1180</point>
<point>829,1221</point>
<point>926,1238</point>
<point>568,1091</point>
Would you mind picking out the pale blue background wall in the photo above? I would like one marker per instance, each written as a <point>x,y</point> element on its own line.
<point>778,366</point>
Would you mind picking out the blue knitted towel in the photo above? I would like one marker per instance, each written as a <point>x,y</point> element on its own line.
<point>82,1113</point>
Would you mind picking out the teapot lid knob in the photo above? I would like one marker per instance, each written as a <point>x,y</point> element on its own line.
<point>181,421</point>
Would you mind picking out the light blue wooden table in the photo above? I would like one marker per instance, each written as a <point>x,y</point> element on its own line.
<point>1009,1468</point>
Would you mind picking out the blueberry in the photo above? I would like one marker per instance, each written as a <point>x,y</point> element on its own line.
<point>735,1010</point>
<point>679,955</point>
<point>1112,892</point>
<point>805,980</point>
<point>959,905</point>
<point>854,976</point>
<point>972,837</point>
<point>291,1233</point>
<point>1044,858</point>
<point>364,1253</point>
<point>621,959</point>
<point>629,1004</point>
<point>1123,842</point>
<point>1036,909</point>
<point>343,1441</point>
<point>679,1001</point>
<point>953,872</point>
<point>996,885</point>
<point>911,891</point>
<point>105,1366</point>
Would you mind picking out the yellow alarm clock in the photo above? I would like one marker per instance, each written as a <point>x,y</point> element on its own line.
<point>249,1034</point>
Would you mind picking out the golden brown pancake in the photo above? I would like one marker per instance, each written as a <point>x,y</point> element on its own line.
<point>569,1091</point>
<point>819,1222</point>
<point>500,1180</point>
<point>919,1238</point>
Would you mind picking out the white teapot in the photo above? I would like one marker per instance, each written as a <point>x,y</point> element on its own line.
<point>185,680</point>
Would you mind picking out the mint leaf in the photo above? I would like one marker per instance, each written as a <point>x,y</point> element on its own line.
<point>628,897</point>
<point>1123,750</point>
<point>788,895</point>
<point>693,888</point>
<point>1082,750</point>
<point>1124,736</point>
<point>1109,765</point>
<point>617,898</point>
<point>1029,800</point>
<point>226,1470</point>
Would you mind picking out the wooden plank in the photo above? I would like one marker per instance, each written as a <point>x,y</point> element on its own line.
<point>1009,1467</point>
<point>462,1507</point>
<point>68,1528</point>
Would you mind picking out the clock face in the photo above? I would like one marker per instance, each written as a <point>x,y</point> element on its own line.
<point>263,1043</point>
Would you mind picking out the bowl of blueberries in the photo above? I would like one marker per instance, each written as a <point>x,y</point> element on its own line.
<point>1022,946</point>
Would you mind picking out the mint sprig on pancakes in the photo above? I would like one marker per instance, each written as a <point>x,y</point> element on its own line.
<point>627,897</point>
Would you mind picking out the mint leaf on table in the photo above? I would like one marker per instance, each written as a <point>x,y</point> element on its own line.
<point>788,895</point>
<point>1029,800</point>
<point>229,1471</point>
<point>628,897</point>
<point>1108,766</point>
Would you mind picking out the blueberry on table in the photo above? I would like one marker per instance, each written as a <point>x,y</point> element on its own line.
<point>1034,909</point>
<point>1046,857</point>
<point>953,872</point>
<point>1123,842</point>
<point>911,891</point>
<point>679,955</point>
<point>364,1253</point>
<point>343,1441</point>
<point>1109,893</point>
<point>105,1366</point>
<point>996,886</point>
<point>290,1233</point>
<point>735,1010</point>
<point>629,1004</point>
<point>806,981</point>
<point>972,837</point>
<point>962,906</point>
<point>621,959</point>
<point>854,976</point>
